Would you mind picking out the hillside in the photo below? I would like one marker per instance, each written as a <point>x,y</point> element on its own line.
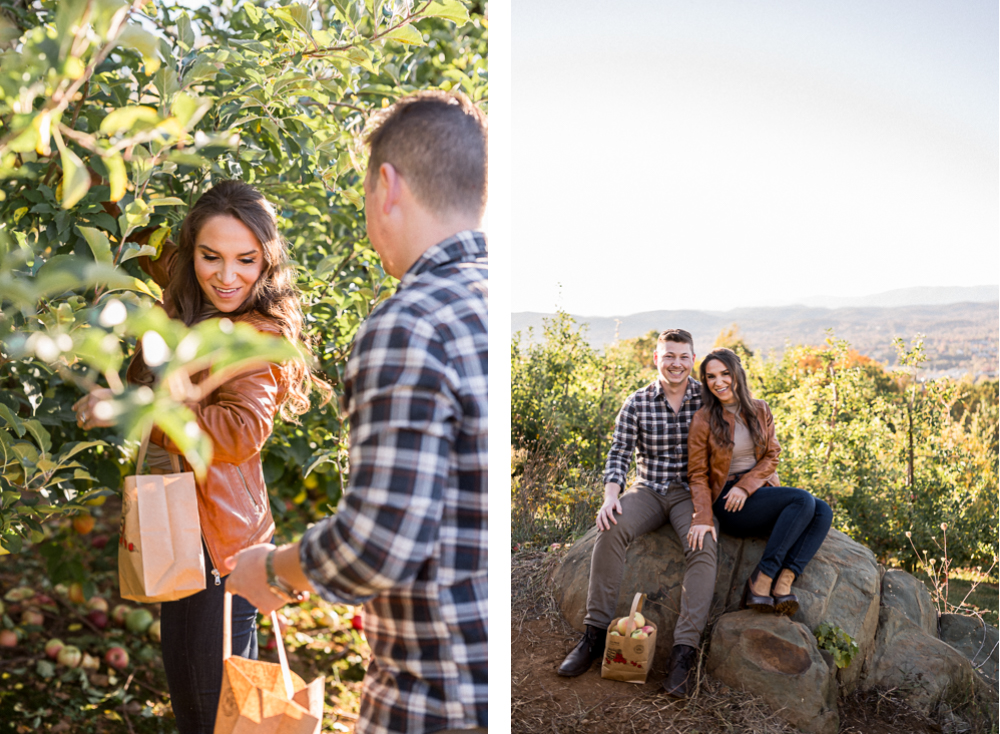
<point>960,338</point>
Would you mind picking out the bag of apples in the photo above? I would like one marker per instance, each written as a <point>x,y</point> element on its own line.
<point>630,647</point>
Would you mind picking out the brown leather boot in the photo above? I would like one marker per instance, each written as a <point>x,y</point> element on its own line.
<point>587,650</point>
<point>678,682</point>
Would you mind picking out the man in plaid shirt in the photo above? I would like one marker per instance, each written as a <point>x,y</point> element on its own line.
<point>409,539</point>
<point>653,421</point>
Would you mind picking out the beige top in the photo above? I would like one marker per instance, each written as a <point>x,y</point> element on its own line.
<point>744,458</point>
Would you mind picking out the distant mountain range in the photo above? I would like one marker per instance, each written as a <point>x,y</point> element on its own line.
<point>959,338</point>
<point>920,296</point>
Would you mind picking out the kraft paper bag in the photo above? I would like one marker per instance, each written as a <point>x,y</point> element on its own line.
<point>265,698</point>
<point>160,555</point>
<point>625,658</point>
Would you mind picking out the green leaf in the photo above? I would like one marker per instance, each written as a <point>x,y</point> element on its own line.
<point>405,34</point>
<point>73,449</point>
<point>42,437</point>
<point>125,118</point>
<point>76,178</point>
<point>352,196</point>
<point>138,39</point>
<point>99,243</point>
<point>253,12</point>
<point>185,34</point>
<point>12,420</point>
<point>144,251</point>
<point>117,176</point>
<point>450,10</point>
<point>167,201</point>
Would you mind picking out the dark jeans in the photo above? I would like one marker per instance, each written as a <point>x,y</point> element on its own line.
<point>794,522</point>
<point>191,641</point>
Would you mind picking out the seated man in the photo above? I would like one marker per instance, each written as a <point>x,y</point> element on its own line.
<point>654,420</point>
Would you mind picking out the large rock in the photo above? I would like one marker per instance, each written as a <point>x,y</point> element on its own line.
<point>907,594</point>
<point>840,586</point>
<point>922,668</point>
<point>976,640</point>
<point>777,659</point>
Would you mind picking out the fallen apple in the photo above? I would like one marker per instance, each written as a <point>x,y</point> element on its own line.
<point>97,602</point>
<point>98,542</point>
<point>61,589</point>
<point>119,613</point>
<point>138,621</point>
<point>76,593</point>
<point>98,618</point>
<point>21,593</point>
<point>69,656</point>
<point>32,616</point>
<point>116,657</point>
<point>53,646</point>
<point>154,631</point>
<point>89,662</point>
<point>43,600</point>
<point>8,638</point>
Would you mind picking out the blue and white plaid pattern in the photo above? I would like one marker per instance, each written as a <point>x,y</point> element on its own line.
<point>409,538</point>
<point>648,425</point>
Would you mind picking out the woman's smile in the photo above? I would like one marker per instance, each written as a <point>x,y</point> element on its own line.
<point>228,261</point>
<point>720,381</point>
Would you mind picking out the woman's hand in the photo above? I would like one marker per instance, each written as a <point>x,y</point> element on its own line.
<point>696,535</point>
<point>94,410</point>
<point>735,499</point>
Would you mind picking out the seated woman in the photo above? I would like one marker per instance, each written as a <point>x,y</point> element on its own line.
<point>732,458</point>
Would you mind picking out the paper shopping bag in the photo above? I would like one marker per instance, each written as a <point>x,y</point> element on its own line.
<point>160,556</point>
<point>628,658</point>
<point>264,698</point>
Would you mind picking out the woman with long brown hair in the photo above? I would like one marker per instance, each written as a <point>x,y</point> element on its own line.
<point>230,261</point>
<point>732,471</point>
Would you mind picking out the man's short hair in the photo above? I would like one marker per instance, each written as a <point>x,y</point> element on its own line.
<point>437,142</point>
<point>678,336</point>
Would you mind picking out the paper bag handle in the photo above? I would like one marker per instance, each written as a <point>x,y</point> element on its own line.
<point>227,642</point>
<point>637,601</point>
<point>140,458</point>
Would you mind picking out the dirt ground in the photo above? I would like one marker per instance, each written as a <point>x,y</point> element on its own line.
<point>542,702</point>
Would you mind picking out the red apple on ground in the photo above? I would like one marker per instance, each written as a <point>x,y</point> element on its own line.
<point>119,613</point>
<point>33,616</point>
<point>116,657</point>
<point>98,542</point>
<point>98,618</point>
<point>53,646</point>
<point>69,656</point>
<point>98,603</point>
<point>8,638</point>
<point>43,600</point>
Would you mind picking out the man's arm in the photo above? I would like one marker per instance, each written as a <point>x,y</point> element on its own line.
<point>616,468</point>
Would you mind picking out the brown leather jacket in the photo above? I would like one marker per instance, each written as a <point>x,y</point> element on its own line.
<point>708,462</point>
<point>238,416</point>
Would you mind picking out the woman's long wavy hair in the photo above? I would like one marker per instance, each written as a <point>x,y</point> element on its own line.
<point>716,421</point>
<point>274,294</point>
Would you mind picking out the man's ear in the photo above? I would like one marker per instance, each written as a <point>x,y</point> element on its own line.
<point>391,183</point>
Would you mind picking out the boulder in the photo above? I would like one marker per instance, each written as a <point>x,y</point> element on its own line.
<point>840,586</point>
<point>777,659</point>
<point>922,668</point>
<point>976,640</point>
<point>909,595</point>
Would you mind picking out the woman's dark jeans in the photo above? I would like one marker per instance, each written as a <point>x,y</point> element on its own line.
<point>794,522</point>
<point>191,641</point>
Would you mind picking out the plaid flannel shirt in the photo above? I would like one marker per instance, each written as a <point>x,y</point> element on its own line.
<point>647,422</point>
<point>409,536</point>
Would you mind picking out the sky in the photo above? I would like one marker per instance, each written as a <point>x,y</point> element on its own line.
<point>716,154</point>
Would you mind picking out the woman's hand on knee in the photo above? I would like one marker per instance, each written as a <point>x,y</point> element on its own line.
<point>735,499</point>
<point>696,536</point>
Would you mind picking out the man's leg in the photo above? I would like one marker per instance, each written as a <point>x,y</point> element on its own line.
<point>697,590</point>
<point>642,511</point>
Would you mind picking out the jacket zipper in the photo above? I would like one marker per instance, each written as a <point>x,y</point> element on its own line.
<point>247,487</point>
<point>215,571</point>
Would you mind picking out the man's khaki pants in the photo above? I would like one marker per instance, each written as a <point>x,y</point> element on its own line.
<point>643,511</point>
